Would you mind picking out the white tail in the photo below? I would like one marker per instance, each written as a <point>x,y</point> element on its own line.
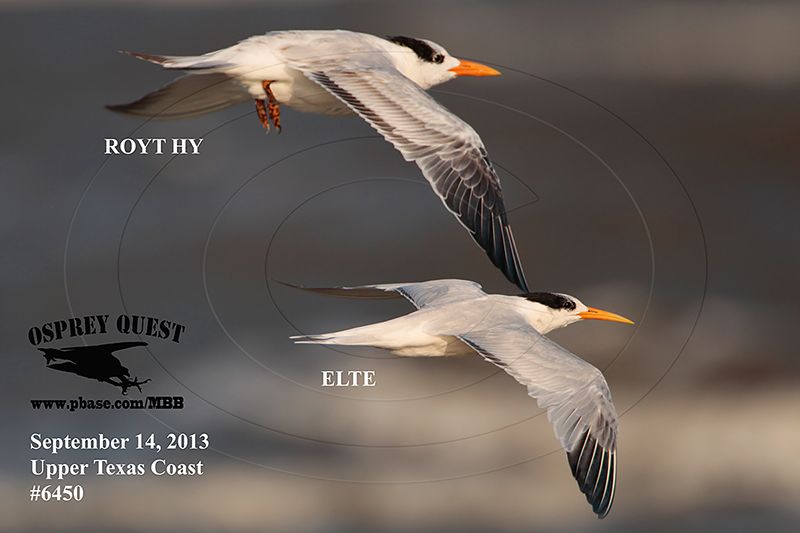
<point>369,335</point>
<point>203,62</point>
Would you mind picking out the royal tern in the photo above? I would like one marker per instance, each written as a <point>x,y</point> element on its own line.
<point>381,80</point>
<point>456,317</point>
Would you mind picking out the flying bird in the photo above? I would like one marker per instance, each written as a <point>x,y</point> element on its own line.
<point>381,80</point>
<point>456,317</point>
<point>95,362</point>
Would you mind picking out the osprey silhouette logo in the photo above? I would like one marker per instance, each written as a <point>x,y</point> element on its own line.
<point>95,362</point>
<point>100,361</point>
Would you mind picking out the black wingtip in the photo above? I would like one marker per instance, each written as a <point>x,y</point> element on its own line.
<point>594,468</point>
<point>119,108</point>
<point>152,58</point>
<point>516,263</point>
<point>504,255</point>
<point>357,293</point>
<point>287,284</point>
<point>131,108</point>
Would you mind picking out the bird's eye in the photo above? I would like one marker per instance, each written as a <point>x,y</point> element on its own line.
<point>438,58</point>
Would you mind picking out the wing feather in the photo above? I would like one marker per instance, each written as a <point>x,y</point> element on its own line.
<point>449,152</point>
<point>422,294</point>
<point>187,96</point>
<point>574,393</point>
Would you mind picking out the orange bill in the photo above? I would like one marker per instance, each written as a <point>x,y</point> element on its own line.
<point>598,314</point>
<point>471,68</point>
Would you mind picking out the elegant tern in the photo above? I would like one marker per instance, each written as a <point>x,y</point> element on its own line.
<point>456,317</point>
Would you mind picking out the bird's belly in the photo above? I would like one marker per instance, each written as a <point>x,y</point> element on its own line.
<point>433,346</point>
<point>304,95</point>
<point>293,89</point>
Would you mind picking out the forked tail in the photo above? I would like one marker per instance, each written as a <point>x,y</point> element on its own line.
<point>203,62</point>
<point>334,338</point>
<point>362,336</point>
<point>203,90</point>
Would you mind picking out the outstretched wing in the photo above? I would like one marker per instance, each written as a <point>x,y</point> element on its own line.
<point>187,96</point>
<point>574,393</point>
<point>423,294</point>
<point>449,152</point>
<point>110,347</point>
<point>117,346</point>
<point>67,366</point>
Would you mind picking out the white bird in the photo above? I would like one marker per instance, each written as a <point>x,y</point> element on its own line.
<point>456,317</point>
<point>381,80</point>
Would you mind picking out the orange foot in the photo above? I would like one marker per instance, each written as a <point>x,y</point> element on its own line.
<point>273,108</point>
<point>262,114</point>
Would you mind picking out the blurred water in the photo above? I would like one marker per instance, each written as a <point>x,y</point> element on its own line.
<point>712,85</point>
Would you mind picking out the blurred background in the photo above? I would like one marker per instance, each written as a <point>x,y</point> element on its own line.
<point>648,153</point>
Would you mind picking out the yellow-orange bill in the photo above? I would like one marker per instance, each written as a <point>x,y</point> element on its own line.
<point>471,68</point>
<point>598,314</point>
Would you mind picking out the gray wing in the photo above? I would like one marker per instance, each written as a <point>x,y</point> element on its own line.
<point>187,96</point>
<point>422,294</point>
<point>574,393</point>
<point>449,152</point>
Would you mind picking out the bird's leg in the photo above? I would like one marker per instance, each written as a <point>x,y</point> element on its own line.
<point>262,114</point>
<point>136,383</point>
<point>273,108</point>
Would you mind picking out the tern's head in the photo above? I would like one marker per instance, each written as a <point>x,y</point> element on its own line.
<point>554,310</point>
<point>430,64</point>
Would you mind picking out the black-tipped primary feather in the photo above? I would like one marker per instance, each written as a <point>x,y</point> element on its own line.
<point>594,468</point>
<point>359,293</point>
<point>421,294</point>
<point>575,394</point>
<point>447,150</point>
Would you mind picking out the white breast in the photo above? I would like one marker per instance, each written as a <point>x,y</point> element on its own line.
<point>263,58</point>
<point>433,346</point>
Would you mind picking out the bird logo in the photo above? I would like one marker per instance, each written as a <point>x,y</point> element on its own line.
<point>95,362</point>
